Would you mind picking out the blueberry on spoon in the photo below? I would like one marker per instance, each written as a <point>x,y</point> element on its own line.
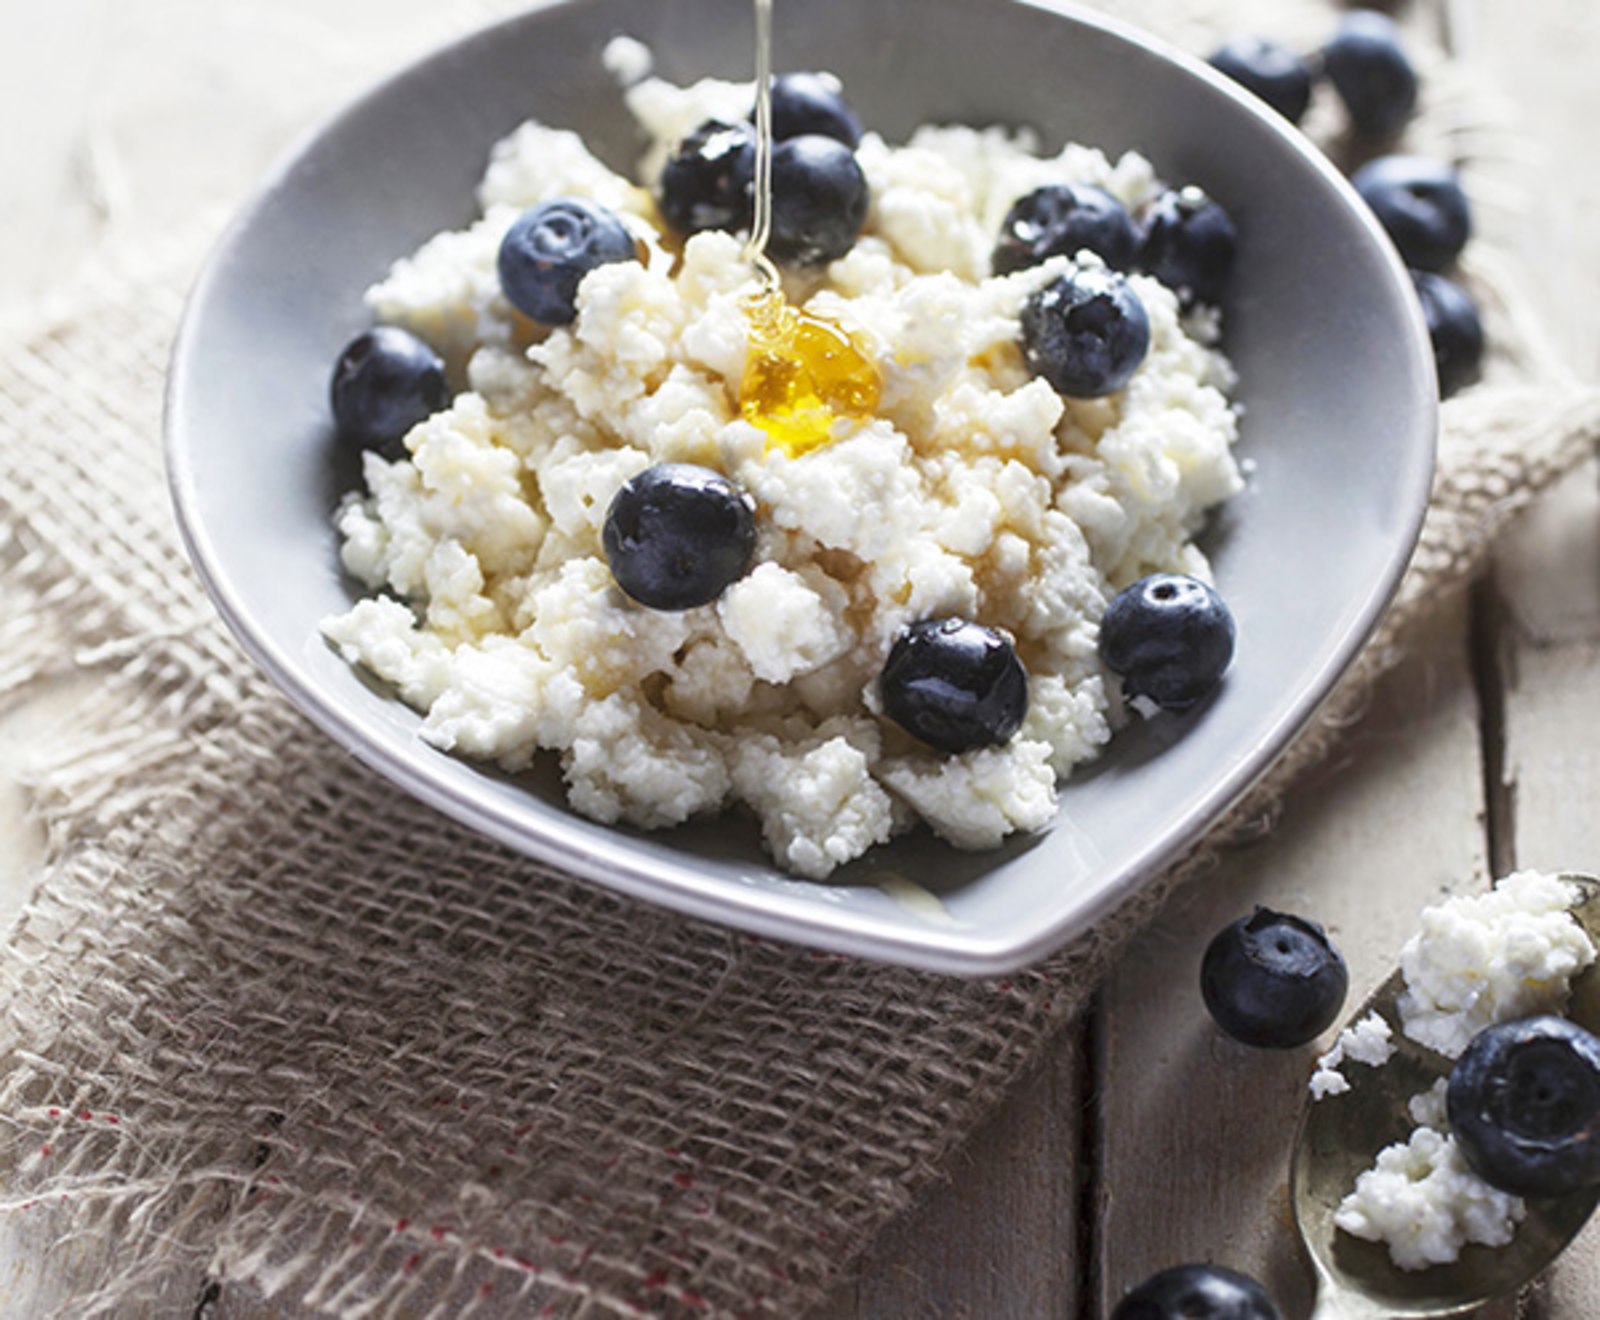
<point>1524,1104</point>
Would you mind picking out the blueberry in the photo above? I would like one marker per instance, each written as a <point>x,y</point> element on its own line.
<point>954,684</point>
<point>1421,205</point>
<point>708,181</point>
<point>1196,1292</point>
<point>1524,1103</point>
<point>1169,638</point>
<point>812,103</point>
<point>1085,333</point>
<point>819,200</point>
<point>1273,980</point>
<point>1274,72</point>
<point>551,247</point>
<point>385,381</point>
<point>1371,72</point>
<point>1061,220</point>
<point>678,535</point>
<point>1188,243</point>
<point>1454,329</point>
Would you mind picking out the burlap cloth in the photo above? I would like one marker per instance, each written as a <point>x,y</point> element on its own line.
<point>266,1019</point>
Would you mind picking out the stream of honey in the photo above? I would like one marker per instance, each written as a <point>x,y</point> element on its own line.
<point>803,373</point>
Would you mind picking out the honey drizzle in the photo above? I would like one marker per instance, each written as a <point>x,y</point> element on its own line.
<point>802,373</point>
<point>755,250</point>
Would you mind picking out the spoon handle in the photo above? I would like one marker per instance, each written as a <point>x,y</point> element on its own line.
<point>1335,1303</point>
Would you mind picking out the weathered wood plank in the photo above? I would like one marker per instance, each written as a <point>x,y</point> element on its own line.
<point>1195,1155</point>
<point>1001,1238</point>
<point>1546,579</point>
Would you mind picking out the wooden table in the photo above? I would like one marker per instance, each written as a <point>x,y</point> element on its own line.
<point>1144,1139</point>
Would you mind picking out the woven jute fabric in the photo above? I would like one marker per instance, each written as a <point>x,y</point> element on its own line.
<point>264,1018</point>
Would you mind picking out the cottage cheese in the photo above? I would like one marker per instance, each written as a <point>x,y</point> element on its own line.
<point>1423,1200</point>
<point>1369,1041</point>
<point>1486,958</point>
<point>974,490</point>
<point>1476,960</point>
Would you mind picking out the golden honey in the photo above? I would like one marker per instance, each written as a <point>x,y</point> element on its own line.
<point>803,374</point>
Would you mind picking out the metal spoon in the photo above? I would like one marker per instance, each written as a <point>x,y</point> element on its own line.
<point>1341,1135</point>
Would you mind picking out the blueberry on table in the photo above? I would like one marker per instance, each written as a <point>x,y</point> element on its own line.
<point>809,102</point>
<point>819,200</point>
<point>1454,329</point>
<point>385,381</point>
<point>1371,72</point>
<point>1273,980</point>
<point>708,182</point>
<point>678,535</point>
<point>1420,203</point>
<point>1062,219</point>
<point>1188,242</point>
<point>548,250</point>
<point>1524,1104</point>
<point>1196,1292</point>
<point>1169,638</point>
<point>954,684</point>
<point>1085,333</point>
<point>1273,71</point>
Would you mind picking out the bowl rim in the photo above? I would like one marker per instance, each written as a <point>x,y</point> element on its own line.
<point>608,857</point>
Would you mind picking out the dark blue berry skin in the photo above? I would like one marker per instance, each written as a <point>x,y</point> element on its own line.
<point>1169,638</point>
<point>678,535</point>
<point>551,247</point>
<point>1454,329</point>
<point>1188,242</point>
<point>1196,1292</point>
<point>1085,333</point>
<point>708,182</point>
<point>1272,980</point>
<point>1274,72</point>
<point>819,200</point>
<point>1524,1104</point>
<point>1420,204</point>
<point>954,684</point>
<point>385,381</point>
<point>812,103</point>
<point>1061,220</point>
<point>1371,72</point>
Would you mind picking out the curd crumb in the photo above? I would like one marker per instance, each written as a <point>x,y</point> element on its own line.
<point>1369,1041</point>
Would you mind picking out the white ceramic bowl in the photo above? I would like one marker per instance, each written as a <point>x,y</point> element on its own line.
<point>1336,381</point>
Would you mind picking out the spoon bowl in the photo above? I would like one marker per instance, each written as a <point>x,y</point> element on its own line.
<point>1340,1137</point>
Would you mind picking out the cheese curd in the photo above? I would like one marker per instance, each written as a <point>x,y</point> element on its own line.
<point>1485,958</point>
<point>973,490</point>
<point>1369,1041</point>
<point>1476,960</point>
